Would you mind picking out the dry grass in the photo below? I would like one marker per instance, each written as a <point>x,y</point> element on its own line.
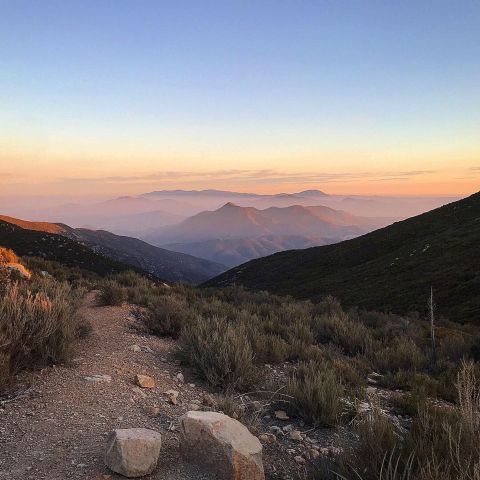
<point>220,352</point>
<point>37,326</point>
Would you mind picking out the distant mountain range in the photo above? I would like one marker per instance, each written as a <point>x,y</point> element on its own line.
<point>236,234</point>
<point>139,215</point>
<point>30,238</point>
<point>389,269</point>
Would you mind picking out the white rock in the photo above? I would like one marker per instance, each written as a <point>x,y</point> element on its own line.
<point>133,452</point>
<point>180,377</point>
<point>296,435</point>
<point>98,378</point>
<point>223,445</point>
<point>281,415</point>
<point>135,348</point>
<point>172,396</point>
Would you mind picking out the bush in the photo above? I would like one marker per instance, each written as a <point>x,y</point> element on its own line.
<point>8,256</point>
<point>402,354</point>
<point>220,352</point>
<point>112,293</point>
<point>166,315</point>
<point>270,348</point>
<point>317,393</point>
<point>36,327</point>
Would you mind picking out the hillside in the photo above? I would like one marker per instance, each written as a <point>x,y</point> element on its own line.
<point>166,264</point>
<point>83,243</point>
<point>53,246</point>
<point>388,269</point>
<point>234,251</point>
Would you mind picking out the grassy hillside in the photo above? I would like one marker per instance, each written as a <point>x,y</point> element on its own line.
<point>389,269</point>
<point>51,246</point>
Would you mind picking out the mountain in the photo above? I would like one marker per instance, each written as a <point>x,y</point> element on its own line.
<point>54,246</point>
<point>234,251</point>
<point>161,263</point>
<point>390,269</point>
<point>232,221</point>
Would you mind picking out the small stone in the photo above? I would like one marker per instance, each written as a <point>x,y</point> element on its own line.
<point>147,349</point>
<point>135,348</point>
<point>172,396</point>
<point>180,377</point>
<point>288,428</point>
<point>281,415</point>
<point>267,438</point>
<point>296,435</point>
<point>144,381</point>
<point>313,454</point>
<point>98,378</point>
<point>275,429</point>
<point>153,411</point>
<point>193,407</point>
<point>299,459</point>
<point>209,400</point>
<point>192,385</point>
<point>256,405</point>
<point>139,392</point>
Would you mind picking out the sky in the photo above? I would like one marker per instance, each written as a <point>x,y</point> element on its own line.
<point>123,96</point>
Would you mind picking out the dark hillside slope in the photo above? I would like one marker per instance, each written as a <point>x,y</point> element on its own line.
<point>51,246</point>
<point>171,266</point>
<point>158,262</point>
<point>388,269</point>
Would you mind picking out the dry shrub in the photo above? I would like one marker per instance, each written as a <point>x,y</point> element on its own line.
<point>270,348</point>
<point>352,336</point>
<point>8,256</point>
<point>402,354</point>
<point>219,351</point>
<point>36,328</point>
<point>112,293</point>
<point>317,393</point>
<point>167,315</point>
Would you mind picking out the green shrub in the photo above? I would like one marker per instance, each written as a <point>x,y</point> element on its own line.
<point>270,348</point>
<point>353,337</point>
<point>219,351</point>
<point>377,442</point>
<point>402,354</point>
<point>112,293</point>
<point>317,393</point>
<point>166,315</point>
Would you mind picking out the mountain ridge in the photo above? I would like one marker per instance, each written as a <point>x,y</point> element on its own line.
<point>388,269</point>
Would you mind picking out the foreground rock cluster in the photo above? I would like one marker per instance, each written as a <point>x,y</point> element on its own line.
<point>215,442</point>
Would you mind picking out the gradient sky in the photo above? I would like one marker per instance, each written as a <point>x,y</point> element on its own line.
<point>265,96</point>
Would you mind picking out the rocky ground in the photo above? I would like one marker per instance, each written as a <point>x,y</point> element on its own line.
<point>55,423</point>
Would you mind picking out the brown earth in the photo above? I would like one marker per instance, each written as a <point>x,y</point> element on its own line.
<point>55,425</point>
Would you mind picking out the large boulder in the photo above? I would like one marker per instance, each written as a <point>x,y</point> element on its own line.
<point>133,452</point>
<point>221,444</point>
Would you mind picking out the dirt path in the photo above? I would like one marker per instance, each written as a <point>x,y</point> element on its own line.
<point>58,430</point>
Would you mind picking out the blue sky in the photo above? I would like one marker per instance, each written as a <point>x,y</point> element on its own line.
<point>299,85</point>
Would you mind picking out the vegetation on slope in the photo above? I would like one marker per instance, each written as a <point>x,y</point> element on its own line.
<point>391,269</point>
<point>58,248</point>
<point>37,322</point>
<point>159,262</point>
<point>327,353</point>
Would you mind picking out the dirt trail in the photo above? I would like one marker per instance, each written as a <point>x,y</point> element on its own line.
<point>58,430</point>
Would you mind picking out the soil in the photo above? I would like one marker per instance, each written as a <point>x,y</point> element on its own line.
<point>55,425</point>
